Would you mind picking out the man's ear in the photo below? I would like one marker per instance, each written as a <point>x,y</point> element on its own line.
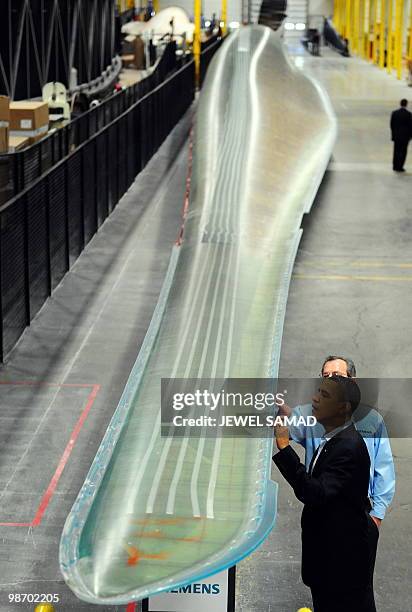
<point>345,409</point>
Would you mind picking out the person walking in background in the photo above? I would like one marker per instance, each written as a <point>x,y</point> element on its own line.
<point>401,128</point>
<point>316,43</point>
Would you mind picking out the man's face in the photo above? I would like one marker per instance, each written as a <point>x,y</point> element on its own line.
<point>337,367</point>
<point>327,405</point>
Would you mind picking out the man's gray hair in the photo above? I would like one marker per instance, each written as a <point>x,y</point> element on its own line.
<point>350,366</point>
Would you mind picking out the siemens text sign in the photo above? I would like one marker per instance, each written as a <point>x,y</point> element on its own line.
<point>209,595</point>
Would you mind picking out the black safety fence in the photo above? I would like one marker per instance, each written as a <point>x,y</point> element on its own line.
<point>18,170</point>
<point>45,227</point>
<point>208,49</point>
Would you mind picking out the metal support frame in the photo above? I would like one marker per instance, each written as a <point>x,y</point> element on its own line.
<point>223,16</point>
<point>376,30</point>
<point>197,39</point>
<point>398,37</point>
<point>409,49</point>
<point>42,40</point>
<point>389,41</point>
<point>382,35</point>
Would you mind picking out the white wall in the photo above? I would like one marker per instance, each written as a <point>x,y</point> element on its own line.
<point>234,7</point>
<point>321,7</point>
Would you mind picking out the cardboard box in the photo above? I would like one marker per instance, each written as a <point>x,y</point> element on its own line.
<point>29,119</point>
<point>18,143</point>
<point>4,123</point>
<point>4,108</point>
<point>128,44</point>
<point>139,56</point>
<point>4,140</point>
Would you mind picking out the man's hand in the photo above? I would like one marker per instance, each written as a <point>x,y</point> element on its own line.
<point>284,410</point>
<point>376,520</point>
<point>282,436</point>
<point>281,432</point>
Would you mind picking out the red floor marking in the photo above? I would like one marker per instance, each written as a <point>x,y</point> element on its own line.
<point>66,454</point>
<point>185,207</point>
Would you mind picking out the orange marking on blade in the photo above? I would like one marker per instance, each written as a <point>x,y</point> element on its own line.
<point>146,521</point>
<point>157,556</point>
<point>134,555</point>
<point>149,534</point>
<point>161,536</point>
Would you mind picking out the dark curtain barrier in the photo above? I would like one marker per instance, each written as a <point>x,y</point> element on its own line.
<point>46,226</point>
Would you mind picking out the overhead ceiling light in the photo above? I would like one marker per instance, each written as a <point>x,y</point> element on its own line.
<point>300,26</point>
<point>289,26</point>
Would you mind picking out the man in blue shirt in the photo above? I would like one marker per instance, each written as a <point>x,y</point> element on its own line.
<point>338,534</point>
<point>370,425</point>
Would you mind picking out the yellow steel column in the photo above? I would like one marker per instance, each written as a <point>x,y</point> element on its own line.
<point>372,31</point>
<point>398,37</point>
<point>341,30</point>
<point>338,23</point>
<point>343,18</point>
<point>365,37</point>
<point>382,35</point>
<point>335,13</point>
<point>410,33</point>
<point>389,37</point>
<point>223,16</point>
<point>377,32</point>
<point>356,26</point>
<point>196,39</point>
<point>353,26</point>
<point>361,27</point>
<point>347,20</point>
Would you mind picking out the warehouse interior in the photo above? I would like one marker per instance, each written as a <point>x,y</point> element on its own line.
<point>98,113</point>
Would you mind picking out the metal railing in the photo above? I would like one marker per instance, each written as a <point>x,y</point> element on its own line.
<point>208,49</point>
<point>45,227</point>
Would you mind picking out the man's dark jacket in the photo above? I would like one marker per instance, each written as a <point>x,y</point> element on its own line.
<point>401,125</point>
<point>335,518</point>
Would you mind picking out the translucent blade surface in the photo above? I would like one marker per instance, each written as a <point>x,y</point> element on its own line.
<point>158,512</point>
